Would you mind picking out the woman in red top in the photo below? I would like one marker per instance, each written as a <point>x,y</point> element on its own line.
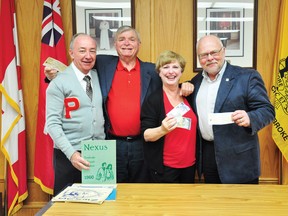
<point>168,125</point>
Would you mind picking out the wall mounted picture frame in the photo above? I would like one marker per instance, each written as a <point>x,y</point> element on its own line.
<point>234,22</point>
<point>101,19</point>
<point>230,30</point>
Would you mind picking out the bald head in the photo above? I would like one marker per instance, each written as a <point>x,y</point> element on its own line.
<point>207,39</point>
<point>211,54</point>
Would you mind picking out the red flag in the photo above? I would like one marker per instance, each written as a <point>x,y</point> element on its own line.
<point>52,45</point>
<point>13,143</point>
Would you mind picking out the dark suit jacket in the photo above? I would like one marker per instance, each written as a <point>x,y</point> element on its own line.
<point>237,148</point>
<point>106,67</point>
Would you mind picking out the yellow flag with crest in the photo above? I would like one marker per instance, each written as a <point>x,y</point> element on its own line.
<point>279,89</point>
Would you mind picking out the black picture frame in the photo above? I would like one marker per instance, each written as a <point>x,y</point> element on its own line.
<point>101,19</point>
<point>235,22</point>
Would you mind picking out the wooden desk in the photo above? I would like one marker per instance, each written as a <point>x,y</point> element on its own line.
<point>185,199</point>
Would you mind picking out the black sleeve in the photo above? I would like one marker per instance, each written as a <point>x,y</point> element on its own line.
<point>46,80</point>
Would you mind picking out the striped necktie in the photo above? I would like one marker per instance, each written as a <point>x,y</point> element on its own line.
<point>89,91</point>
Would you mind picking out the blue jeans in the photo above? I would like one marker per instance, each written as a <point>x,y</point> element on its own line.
<point>131,167</point>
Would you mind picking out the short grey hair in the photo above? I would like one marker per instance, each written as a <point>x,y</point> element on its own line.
<point>125,28</point>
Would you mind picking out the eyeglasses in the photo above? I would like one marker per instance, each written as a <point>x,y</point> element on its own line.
<point>213,53</point>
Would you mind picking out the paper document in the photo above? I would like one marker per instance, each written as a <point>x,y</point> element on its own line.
<point>111,197</point>
<point>84,193</point>
<point>54,64</point>
<point>220,118</point>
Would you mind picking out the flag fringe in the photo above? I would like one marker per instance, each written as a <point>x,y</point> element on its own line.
<point>43,187</point>
<point>6,136</point>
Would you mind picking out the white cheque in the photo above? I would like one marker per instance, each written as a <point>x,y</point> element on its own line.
<point>54,64</point>
<point>220,118</point>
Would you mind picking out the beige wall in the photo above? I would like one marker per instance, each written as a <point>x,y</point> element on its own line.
<point>163,24</point>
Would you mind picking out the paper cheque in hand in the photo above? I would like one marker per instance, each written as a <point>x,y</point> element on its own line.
<point>220,118</point>
<point>54,64</point>
<point>178,112</point>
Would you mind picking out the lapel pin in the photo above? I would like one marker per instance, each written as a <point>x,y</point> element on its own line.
<point>227,79</point>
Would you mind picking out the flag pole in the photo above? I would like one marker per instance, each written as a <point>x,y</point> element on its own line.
<point>5,189</point>
<point>5,198</point>
<point>5,161</point>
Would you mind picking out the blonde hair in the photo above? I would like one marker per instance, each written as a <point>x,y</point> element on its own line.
<point>167,57</point>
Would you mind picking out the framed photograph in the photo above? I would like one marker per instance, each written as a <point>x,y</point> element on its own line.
<point>227,24</point>
<point>101,24</point>
<point>101,19</point>
<point>234,22</point>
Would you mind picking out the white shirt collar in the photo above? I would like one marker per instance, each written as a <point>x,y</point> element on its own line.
<point>78,73</point>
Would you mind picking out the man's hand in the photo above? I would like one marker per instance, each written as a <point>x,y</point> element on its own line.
<point>50,73</point>
<point>78,162</point>
<point>241,118</point>
<point>186,89</point>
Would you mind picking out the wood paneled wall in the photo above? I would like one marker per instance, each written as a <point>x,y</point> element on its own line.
<point>163,24</point>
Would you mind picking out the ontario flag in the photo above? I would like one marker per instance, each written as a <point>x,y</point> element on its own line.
<point>13,140</point>
<point>280,83</point>
<point>52,45</point>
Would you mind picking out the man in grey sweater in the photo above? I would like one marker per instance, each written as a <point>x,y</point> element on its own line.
<point>71,115</point>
